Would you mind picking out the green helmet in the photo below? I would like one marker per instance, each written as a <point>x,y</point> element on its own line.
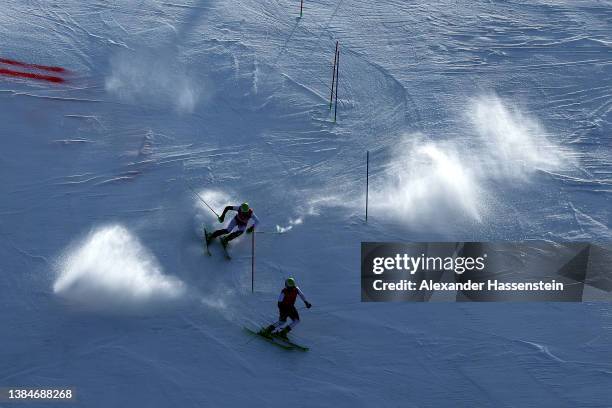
<point>244,207</point>
<point>290,283</point>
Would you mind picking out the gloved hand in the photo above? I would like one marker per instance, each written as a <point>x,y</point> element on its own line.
<point>250,229</point>
<point>220,218</point>
<point>308,305</point>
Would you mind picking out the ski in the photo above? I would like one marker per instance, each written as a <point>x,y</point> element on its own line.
<point>278,341</point>
<point>227,255</point>
<point>206,242</point>
<point>207,248</point>
<point>270,339</point>
<point>294,345</point>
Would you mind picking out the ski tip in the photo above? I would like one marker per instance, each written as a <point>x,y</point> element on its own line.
<point>271,339</point>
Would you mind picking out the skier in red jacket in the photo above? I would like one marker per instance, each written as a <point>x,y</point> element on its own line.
<point>286,308</point>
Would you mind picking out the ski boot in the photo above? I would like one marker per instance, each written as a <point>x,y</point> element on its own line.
<point>267,331</point>
<point>224,242</point>
<point>283,333</point>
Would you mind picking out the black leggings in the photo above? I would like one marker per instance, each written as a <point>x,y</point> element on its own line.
<point>223,231</point>
<point>288,311</point>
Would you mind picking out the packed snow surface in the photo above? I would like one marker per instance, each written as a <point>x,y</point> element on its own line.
<point>484,120</point>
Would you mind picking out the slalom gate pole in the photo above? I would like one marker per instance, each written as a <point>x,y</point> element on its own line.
<point>337,81</point>
<point>253,263</point>
<point>301,7</point>
<point>367,182</point>
<point>201,199</point>
<point>331,95</point>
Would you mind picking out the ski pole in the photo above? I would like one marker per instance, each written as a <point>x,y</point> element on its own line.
<point>201,199</point>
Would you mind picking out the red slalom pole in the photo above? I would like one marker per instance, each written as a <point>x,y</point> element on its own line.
<point>331,95</point>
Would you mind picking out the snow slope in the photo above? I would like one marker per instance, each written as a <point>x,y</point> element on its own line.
<point>485,120</point>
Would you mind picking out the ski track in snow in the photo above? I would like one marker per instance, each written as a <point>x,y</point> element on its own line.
<point>232,98</point>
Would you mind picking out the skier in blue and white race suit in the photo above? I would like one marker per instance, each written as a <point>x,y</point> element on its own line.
<point>239,223</point>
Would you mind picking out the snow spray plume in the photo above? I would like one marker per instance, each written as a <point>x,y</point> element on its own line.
<point>152,78</point>
<point>196,195</point>
<point>515,144</point>
<point>427,183</point>
<point>205,201</point>
<point>112,271</point>
<point>292,222</point>
<point>437,183</point>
